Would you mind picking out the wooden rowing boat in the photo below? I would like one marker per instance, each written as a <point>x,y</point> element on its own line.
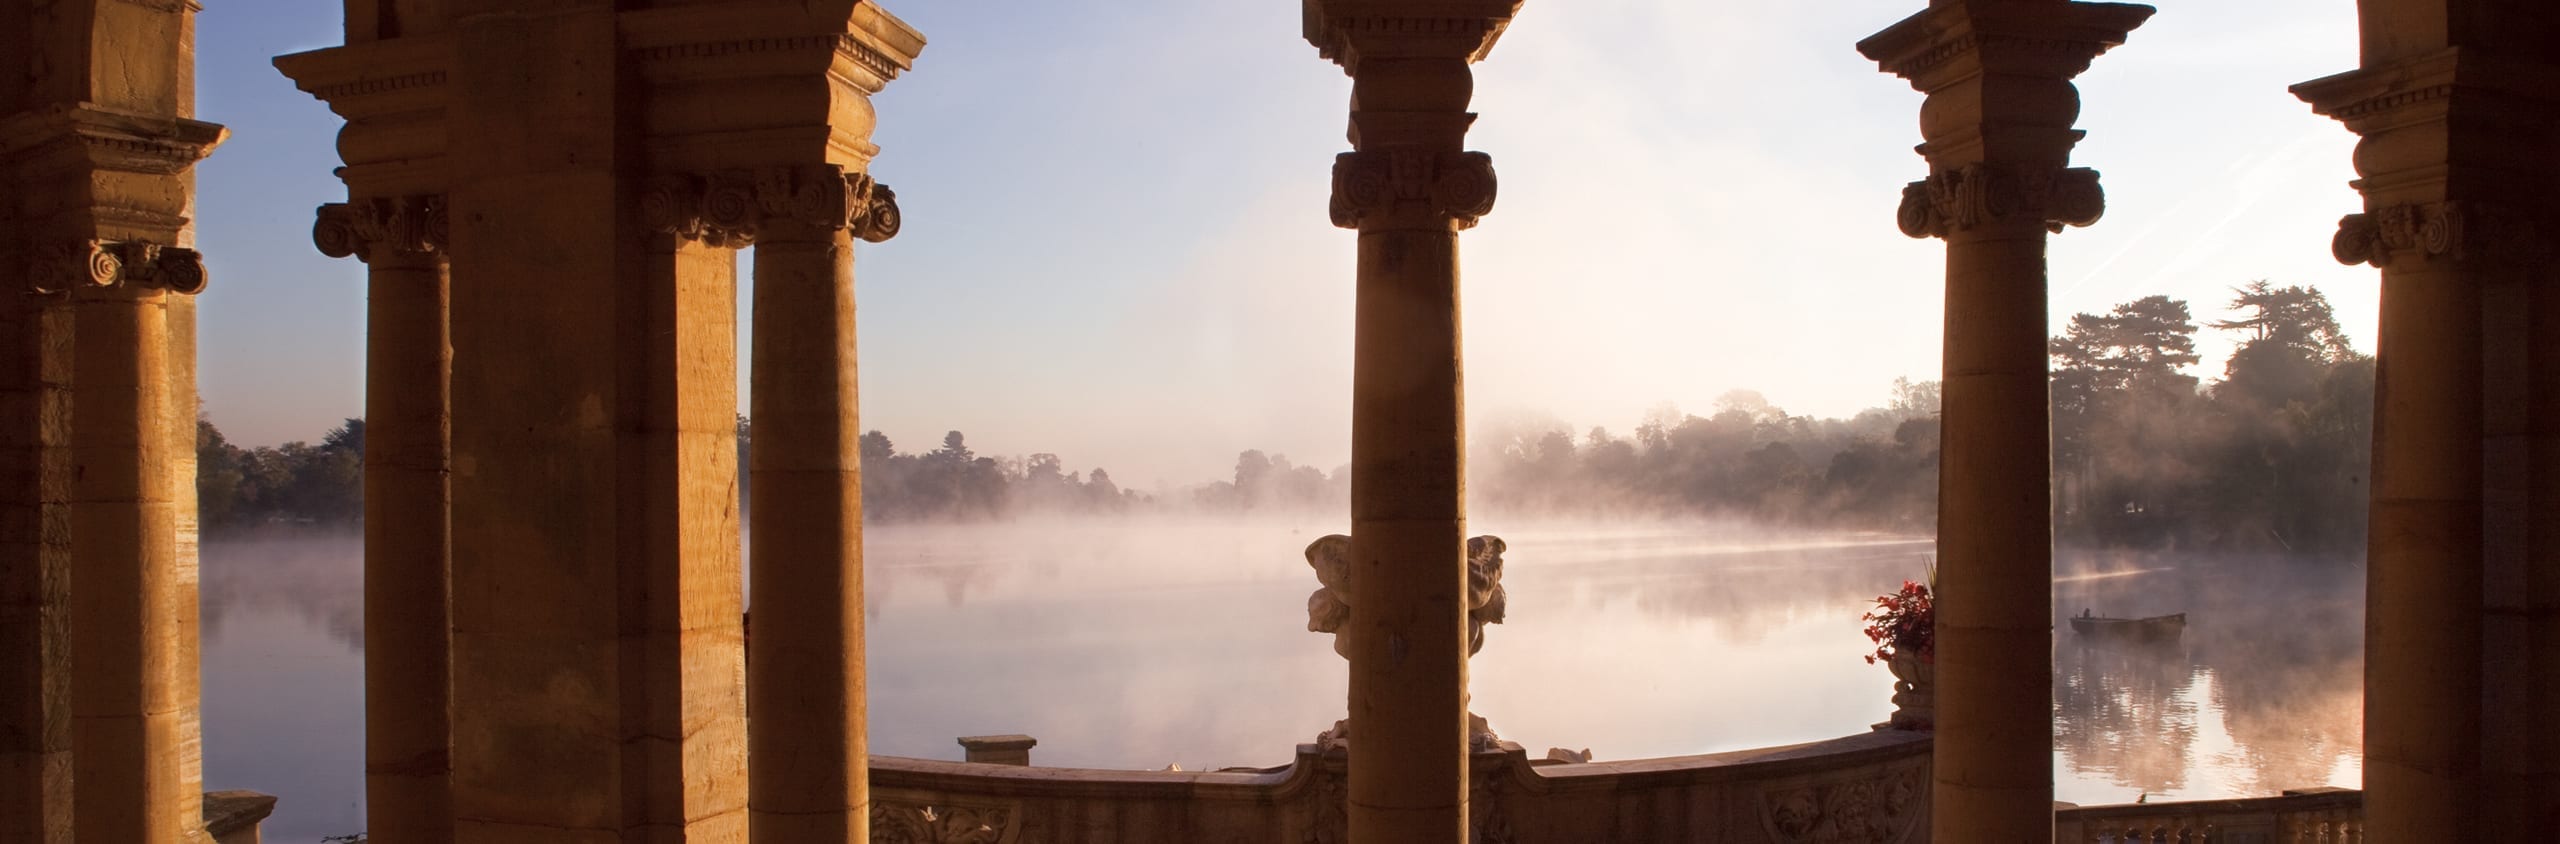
<point>2158,628</point>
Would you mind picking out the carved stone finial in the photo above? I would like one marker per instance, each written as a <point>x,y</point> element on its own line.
<point>362,228</point>
<point>90,264</point>
<point>731,208</point>
<point>1983,194</point>
<point>1371,184</point>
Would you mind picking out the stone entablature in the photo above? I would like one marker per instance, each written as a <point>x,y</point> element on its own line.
<point>1867,787</point>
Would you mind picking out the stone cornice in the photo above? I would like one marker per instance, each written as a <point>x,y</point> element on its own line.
<point>857,41</point>
<point>107,139</point>
<point>375,78</point>
<point>65,266</point>
<point>1956,40</point>
<point>2426,88</point>
<point>1347,30</point>
<point>732,208</point>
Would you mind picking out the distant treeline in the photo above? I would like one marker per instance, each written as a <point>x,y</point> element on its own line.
<point>2272,455</point>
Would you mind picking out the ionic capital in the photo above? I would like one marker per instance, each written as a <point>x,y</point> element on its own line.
<point>364,228</point>
<point>94,264</point>
<point>2451,230</point>
<point>1415,185</point>
<point>730,208</point>
<point>1986,194</point>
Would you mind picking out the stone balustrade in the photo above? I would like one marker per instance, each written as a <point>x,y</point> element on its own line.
<point>1866,787</point>
<point>2309,816</point>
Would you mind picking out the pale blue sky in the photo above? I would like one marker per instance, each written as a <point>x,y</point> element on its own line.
<point>1116,247</point>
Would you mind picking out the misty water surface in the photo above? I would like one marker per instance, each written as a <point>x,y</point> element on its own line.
<point>1146,643</point>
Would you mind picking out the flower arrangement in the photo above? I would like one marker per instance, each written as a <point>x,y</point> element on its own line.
<point>1903,623</point>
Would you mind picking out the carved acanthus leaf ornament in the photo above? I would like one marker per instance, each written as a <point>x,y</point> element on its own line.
<point>94,264</point>
<point>1370,184</point>
<point>899,822</point>
<point>732,207</point>
<point>1883,807</point>
<point>1985,194</point>
<point>364,228</point>
<point>2452,230</point>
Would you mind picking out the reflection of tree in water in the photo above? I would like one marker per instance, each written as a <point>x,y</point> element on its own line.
<point>2120,710</point>
<point>2290,684</point>
<point>2277,638</point>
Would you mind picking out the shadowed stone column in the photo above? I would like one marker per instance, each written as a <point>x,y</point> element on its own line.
<point>2459,110</point>
<point>1409,188</point>
<point>809,751</point>
<point>408,569</point>
<point>1997,126</point>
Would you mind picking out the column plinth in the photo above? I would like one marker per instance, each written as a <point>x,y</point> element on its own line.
<point>1997,135</point>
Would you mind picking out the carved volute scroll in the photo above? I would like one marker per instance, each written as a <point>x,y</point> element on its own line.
<point>2450,230</point>
<point>93,264</point>
<point>1457,186</point>
<point>1984,194</point>
<point>364,228</point>
<point>731,208</point>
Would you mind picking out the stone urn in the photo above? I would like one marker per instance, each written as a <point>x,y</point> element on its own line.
<point>1915,692</point>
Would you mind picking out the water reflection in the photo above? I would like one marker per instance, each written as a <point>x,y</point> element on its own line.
<point>1137,644</point>
<point>2263,693</point>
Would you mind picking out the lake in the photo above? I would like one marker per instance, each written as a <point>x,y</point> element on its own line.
<point>1144,643</point>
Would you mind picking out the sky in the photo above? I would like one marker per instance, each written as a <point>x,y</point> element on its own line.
<point>1116,247</point>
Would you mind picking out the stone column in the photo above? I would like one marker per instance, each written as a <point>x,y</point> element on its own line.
<point>133,701</point>
<point>808,750</point>
<point>1409,188</point>
<point>408,568</point>
<point>2458,118</point>
<point>1997,126</point>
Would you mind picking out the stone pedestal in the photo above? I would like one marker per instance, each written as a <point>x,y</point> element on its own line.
<point>1998,138</point>
<point>997,750</point>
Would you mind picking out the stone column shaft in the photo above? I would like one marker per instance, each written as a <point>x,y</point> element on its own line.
<point>809,750</point>
<point>408,589</point>
<point>2422,748</point>
<point>1995,557</point>
<point>132,719</point>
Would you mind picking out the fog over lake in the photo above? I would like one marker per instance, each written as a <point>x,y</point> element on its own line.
<point>1146,642</point>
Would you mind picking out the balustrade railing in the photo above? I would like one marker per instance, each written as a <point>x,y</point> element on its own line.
<point>2307,816</point>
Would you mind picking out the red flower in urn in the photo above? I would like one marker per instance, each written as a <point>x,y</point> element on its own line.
<point>1901,625</point>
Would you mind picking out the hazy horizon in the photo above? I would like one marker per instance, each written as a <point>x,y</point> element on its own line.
<point>1116,248</point>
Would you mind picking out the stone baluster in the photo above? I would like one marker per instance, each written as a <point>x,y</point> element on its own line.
<point>2458,114</point>
<point>408,567</point>
<point>1409,187</point>
<point>1998,139</point>
<point>808,750</point>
